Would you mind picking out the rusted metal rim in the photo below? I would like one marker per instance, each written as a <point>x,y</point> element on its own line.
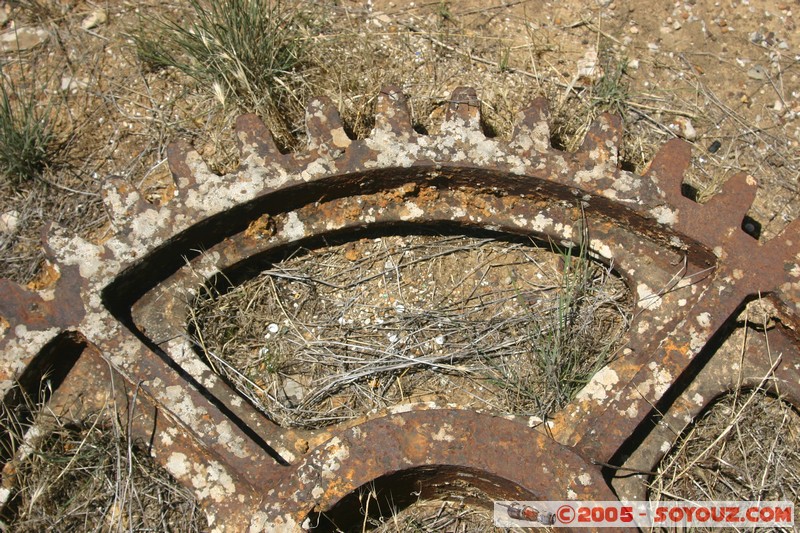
<point>691,267</point>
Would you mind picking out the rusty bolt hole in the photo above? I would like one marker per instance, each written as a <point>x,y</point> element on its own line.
<point>483,322</point>
<point>435,498</point>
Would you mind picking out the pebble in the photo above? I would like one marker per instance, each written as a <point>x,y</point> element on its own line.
<point>69,83</point>
<point>294,390</point>
<point>273,328</point>
<point>757,72</point>
<point>9,222</point>
<point>94,19</point>
<point>23,39</point>
<point>686,128</point>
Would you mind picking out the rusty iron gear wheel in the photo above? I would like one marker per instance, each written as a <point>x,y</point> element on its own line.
<point>117,312</point>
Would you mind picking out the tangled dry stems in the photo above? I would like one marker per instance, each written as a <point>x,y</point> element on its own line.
<point>745,447</point>
<point>87,475</point>
<point>332,334</point>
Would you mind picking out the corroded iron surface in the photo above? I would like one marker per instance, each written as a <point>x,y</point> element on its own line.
<point>691,268</point>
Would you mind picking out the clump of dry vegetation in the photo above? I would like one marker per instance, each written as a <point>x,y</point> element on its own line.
<point>745,447</point>
<point>332,334</point>
<point>246,52</point>
<point>87,475</point>
<point>434,515</point>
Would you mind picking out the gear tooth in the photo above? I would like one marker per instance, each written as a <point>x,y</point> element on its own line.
<point>464,105</point>
<point>391,111</point>
<point>532,128</point>
<point>59,243</point>
<point>253,137</point>
<point>324,126</point>
<point>464,108</point>
<point>187,167</point>
<point>176,158</point>
<point>603,139</point>
<point>669,167</point>
<point>122,199</point>
<point>734,200</point>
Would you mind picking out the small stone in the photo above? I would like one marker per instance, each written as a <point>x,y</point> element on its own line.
<point>94,19</point>
<point>439,339</point>
<point>273,328</point>
<point>588,67</point>
<point>293,390</point>
<point>633,64</point>
<point>686,128</point>
<point>69,83</point>
<point>757,72</point>
<point>352,254</point>
<point>634,30</point>
<point>676,25</point>
<point>9,222</point>
<point>23,39</point>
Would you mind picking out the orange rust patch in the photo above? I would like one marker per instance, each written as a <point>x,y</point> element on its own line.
<point>167,194</point>
<point>47,277</point>
<point>262,227</point>
<point>428,195</point>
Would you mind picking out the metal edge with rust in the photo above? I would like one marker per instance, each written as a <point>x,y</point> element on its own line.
<point>690,266</point>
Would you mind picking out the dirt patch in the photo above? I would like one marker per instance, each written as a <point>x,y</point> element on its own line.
<point>333,334</point>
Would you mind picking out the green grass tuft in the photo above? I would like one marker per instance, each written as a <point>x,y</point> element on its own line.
<point>246,49</point>
<point>27,137</point>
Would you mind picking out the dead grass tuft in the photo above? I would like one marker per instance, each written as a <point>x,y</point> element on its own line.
<point>87,475</point>
<point>435,515</point>
<point>244,52</point>
<point>746,446</point>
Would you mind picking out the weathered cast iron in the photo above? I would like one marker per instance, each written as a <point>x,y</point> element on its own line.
<point>115,312</point>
